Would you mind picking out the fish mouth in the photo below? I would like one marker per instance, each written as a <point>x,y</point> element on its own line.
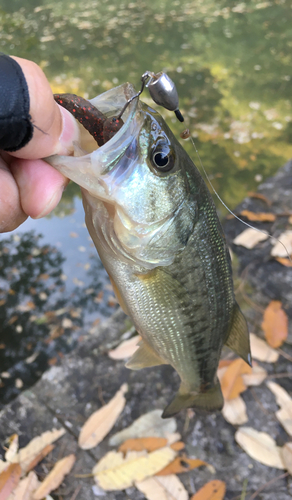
<point>86,168</point>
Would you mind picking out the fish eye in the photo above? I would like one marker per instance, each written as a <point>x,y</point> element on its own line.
<point>163,158</point>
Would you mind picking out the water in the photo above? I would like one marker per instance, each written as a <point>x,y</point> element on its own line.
<point>231,62</point>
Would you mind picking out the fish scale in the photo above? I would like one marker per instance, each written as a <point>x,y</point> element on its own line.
<point>155,227</point>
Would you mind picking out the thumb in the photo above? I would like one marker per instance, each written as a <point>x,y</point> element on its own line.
<point>55,128</point>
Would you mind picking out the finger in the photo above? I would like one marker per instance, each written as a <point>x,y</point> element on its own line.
<point>40,186</point>
<point>55,128</point>
<point>11,213</point>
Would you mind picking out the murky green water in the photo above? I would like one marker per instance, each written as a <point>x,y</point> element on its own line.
<point>232,64</point>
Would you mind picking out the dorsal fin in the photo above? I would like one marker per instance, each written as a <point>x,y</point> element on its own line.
<point>238,338</point>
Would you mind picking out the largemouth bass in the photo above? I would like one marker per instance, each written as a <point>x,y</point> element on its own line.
<point>155,227</point>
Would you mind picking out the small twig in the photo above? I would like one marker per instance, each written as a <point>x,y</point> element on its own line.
<point>268,484</point>
<point>74,496</point>
<point>244,488</point>
<point>284,354</point>
<point>280,375</point>
<point>100,395</point>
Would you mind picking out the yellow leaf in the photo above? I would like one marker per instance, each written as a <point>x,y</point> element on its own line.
<point>126,349</point>
<point>55,477</point>
<point>275,324</point>
<point>231,382</point>
<point>214,490</point>
<point>234,411</point>
<point>9,479</point>
<point>25,488</point>
<point>260,446</point>
<point>35,446</point>
<point>287,456</point>
<point>116,472</point>
<point>102,421</point>
<point>149,425</point>
<point>249,238</point>
<point>261,351</point>
<point>163,488</point>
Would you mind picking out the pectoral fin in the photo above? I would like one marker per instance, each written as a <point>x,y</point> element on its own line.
<point>209,400</point>
<point>238,338</point>
<point>144,357</point>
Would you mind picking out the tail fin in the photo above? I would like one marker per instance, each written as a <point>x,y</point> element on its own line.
<point>209,400</point>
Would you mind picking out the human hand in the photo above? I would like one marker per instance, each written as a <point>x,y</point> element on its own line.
<point>28,185</point>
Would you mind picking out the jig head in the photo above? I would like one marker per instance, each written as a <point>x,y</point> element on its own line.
<point>161,89</point>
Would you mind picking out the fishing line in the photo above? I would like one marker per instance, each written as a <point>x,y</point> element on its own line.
<point>230,211</point>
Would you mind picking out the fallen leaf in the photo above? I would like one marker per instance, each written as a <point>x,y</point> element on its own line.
<point>213,490</point>
<point>260,196</point>
<point>126,349</point>
<point>13,449</point>
<point>163,488</point>
<point>25,488</point>
<point>223,363</point>
<point>261,351</point>
<point>139,444</point>
<point>256,377</point>
<point>284,415</point>
<point>55,477</point>
<point>282,396</point>
<point>275,324</point>
<point>102,421</point>
<point>260,446</point>
<point>149,425</point>
<point>172,438</point>
<point>259,216</point>
<point>284,239</point>
<point>181,464</point>
<point>36,445</point>
<point>234,411</point>
<point>116,472</point>
<point>284,261</point>
<point>232,383</point>
<point>9,479</point>
<point>249,238</point>
<point>179,445</point>
<point>45,451</point>
<point>286,453</point>
<point>3,465</point>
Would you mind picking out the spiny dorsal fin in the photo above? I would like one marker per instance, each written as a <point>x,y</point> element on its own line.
<point>238,338</point>
<point>144,357</point>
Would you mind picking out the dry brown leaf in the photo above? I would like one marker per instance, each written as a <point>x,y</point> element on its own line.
<point>284,261</point>
<point>260,446</point>
<point>102,421</point>
<point>9,479</point>
<point>116,472</point>
<point>223,363</point>
<point>259,216</point>
<point>178,446</point>
<point>279,250</point>
<point>25,488</point>
<point>286,452</point>
<point>45,451</point>
<point>260,196</point>
<point>149,425</point>
<point>139,444</point>
<point>249,238</point>
<point>55,477</point>
<point>261,351</point>
<point>275,324</point>
<point>163,488</point>
<point>256,377</point>
<point>126,349</point>
<point>213,490</point>
<point>36,445</point>
<point>232,382</point>
<point>234,411</point>
<point>181,464</point>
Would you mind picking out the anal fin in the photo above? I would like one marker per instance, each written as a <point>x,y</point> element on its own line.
<point>238,338</point>
<point>144,357</point>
